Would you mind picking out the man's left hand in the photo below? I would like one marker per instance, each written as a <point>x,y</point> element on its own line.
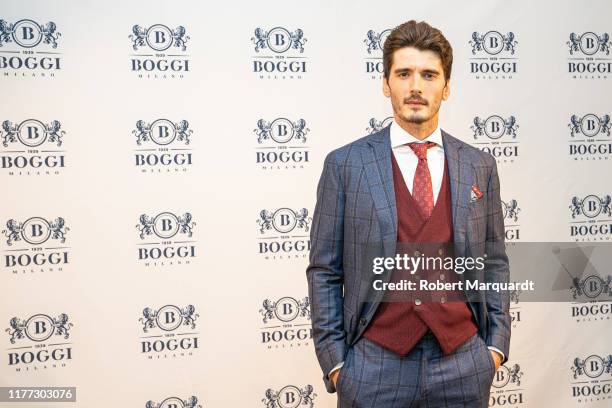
<point>497,358</point>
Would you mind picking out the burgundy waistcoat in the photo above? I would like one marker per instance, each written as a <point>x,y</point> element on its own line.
<point>398,326</point>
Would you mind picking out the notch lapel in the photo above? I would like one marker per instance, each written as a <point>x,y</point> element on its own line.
<point>379,173</point>
<point>460,174</point>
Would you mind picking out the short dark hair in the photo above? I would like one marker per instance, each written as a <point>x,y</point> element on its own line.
<point>421,36</point>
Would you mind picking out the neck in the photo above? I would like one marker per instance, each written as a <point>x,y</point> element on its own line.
<point>418,130</point>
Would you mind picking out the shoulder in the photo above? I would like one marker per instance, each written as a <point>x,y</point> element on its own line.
<point>351,153</point>
<point>469,153</point>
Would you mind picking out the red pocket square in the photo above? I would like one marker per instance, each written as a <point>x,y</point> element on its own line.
<point>476,194</point>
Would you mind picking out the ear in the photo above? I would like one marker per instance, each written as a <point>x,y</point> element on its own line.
<point>386,88</point>
<point>446,91</point>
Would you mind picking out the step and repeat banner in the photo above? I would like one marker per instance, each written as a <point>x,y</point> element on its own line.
<point>158,171</point>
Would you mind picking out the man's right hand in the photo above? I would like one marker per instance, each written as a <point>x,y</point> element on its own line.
<point>334,376</point>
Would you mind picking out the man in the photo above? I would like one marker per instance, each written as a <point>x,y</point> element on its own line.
<point>410,182</point>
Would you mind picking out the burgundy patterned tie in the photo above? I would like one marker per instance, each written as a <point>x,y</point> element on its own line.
<point>422,191</point>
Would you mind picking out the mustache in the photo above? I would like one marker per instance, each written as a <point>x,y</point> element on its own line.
<point>415,99</point>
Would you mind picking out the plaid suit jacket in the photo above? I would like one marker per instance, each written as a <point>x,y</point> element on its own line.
<point>356,208</point>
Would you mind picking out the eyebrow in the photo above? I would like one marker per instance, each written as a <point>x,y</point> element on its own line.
<point>427,71</point>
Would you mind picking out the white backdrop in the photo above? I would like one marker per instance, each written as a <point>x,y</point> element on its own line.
<point>231,286</point>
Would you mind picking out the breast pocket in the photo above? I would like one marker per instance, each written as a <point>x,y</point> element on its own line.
<point>478,208</point>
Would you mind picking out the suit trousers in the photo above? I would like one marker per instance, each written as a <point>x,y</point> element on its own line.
<point>373,376</point>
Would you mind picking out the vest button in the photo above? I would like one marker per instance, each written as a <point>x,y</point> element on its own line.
<point>362,321</point>
<point>443,299</point>
<point>417,302</point>
<point>417,254</point>
<point>442,276</point>
<point>440,252</point>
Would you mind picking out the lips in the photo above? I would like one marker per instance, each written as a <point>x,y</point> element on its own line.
<point>416,103</point>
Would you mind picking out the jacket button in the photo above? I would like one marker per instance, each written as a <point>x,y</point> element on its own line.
<point>362,321</point>
<point>417,302</point>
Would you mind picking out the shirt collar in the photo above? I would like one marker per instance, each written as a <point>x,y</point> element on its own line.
<point>400,137</point>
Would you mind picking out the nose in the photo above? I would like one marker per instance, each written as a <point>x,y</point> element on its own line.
<point>415,84</point>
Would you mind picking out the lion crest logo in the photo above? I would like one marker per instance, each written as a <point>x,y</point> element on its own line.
<point>375,41</point>
<point>600,43</point>
<point>52,132</point>
<point>191,402</point>
<point>283,220</point>
<point>602,125</point>
<point>506,42</point>
<point>18,327</point>
<point>270,308</point>
<point>150,317</point>
<point>177,37</point>
<point>509,126</point>
<point>48,32</point>
<point>305,396</point>
<point>144,131</point>
<point>262,39</point>
<point>580,366</point>
<point>295,130</point>
<point>602,204</point>
<point>15,230</point>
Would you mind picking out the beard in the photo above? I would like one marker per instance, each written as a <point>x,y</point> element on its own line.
<point>418,117</point>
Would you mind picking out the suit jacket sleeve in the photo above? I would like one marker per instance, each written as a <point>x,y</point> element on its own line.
<point>497,270</point>
<point>325,274</point>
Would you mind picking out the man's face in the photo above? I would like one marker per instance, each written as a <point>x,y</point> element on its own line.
<point>416,85</point>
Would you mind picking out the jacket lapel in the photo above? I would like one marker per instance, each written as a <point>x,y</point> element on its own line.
<point>379,173</point>
<point>460,171</point>
<point>460,174</point>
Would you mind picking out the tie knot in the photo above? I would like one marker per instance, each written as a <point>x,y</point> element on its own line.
<point>420,149</point>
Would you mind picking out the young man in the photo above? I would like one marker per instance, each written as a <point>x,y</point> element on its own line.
<point>410,182</point>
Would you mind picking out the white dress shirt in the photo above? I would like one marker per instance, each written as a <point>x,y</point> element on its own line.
<point>407,161</point>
